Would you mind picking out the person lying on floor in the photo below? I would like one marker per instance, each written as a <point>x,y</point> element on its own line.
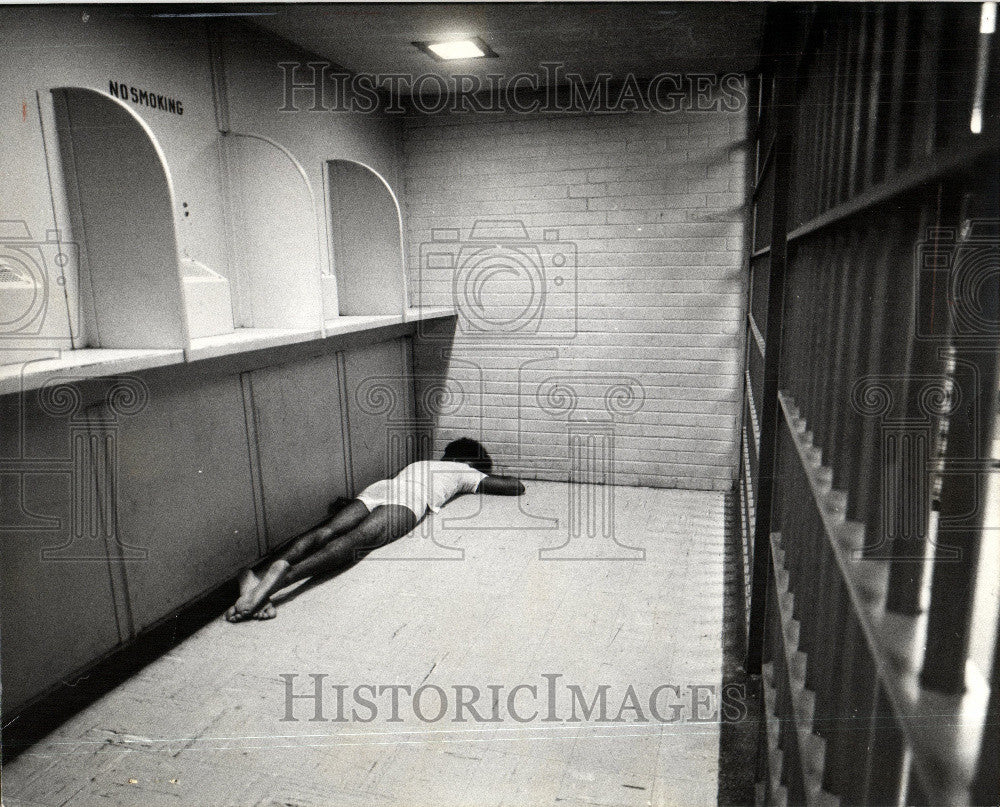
<point>380,514</point>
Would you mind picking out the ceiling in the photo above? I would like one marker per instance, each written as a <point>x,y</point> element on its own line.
<point>587,38</point>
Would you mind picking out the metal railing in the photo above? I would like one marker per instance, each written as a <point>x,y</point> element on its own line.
<point>872,450</point>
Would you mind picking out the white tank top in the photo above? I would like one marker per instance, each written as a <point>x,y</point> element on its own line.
<point>435,482</point>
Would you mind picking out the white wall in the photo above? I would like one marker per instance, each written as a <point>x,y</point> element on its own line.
<point>255,90</point>
<point>52,47</point>
<point>225,424</point>
<point>651,204</point>
<point>647,203</point>
<point>90,47</point>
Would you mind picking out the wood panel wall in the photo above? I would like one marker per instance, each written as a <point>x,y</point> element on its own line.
<point>126,498</point>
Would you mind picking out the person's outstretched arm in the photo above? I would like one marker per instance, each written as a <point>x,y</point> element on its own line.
<point>500,486</point>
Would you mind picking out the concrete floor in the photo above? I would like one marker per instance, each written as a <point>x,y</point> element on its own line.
<point>465,600</point>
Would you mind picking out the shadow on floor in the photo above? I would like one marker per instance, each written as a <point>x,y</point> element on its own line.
<point>737,738</point>
<point>55,707</point>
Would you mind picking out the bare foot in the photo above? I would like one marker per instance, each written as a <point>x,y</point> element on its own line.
<point>255,597</point>
<point>248,582</point>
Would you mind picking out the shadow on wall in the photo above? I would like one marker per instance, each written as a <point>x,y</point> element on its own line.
<point>437,393</point>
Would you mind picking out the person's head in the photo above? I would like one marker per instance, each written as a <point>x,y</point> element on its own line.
<point>469,451</point>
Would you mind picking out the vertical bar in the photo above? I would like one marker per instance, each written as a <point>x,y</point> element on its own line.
<point>863,448</point>
<point>897,336</point>
<point>883,781</point>
<point>824,94</point>
<point>831,90</point>
<point>970,440</point>
<point>909,505</point>
<point>781,106</point>
<point>840,283</point>
<point>753,122</point>
<point>817,279</point>
<point>858,103</point>
<point>833,125</point>
<point>800,302</point>
<point>826,299</point>
<point>836,441</point>
<point>807,125</point>
<point>803,168</point>
<point>825,264</point>
<point>825,614</point>
<point>839,708</point>
<point>825,713</point>
<point>857,748</point>
<point>818,113</point>
<point>874,119</point>
<point>906,132</point>
<point>797,541</point>
<point>986,788</point>
<point>906,506</point>
<point>846,422</point>
<point>924,120</point>
<point>846,108</point>
<point>885,167</point>
<point>809,572</point>
<point>217,61</point>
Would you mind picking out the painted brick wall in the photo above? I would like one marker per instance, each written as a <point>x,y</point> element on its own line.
<point>620,360</point>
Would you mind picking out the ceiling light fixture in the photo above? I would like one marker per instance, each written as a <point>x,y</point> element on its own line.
<point>455,49</point>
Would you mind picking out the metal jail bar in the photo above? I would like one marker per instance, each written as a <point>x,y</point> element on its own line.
<point>887,402</point>
<point>969,462</point>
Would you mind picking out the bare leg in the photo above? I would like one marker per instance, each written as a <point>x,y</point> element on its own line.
<point>384,525</point>
<point>318,537</point>
<point>248,581</point>
<point>303,546</point>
